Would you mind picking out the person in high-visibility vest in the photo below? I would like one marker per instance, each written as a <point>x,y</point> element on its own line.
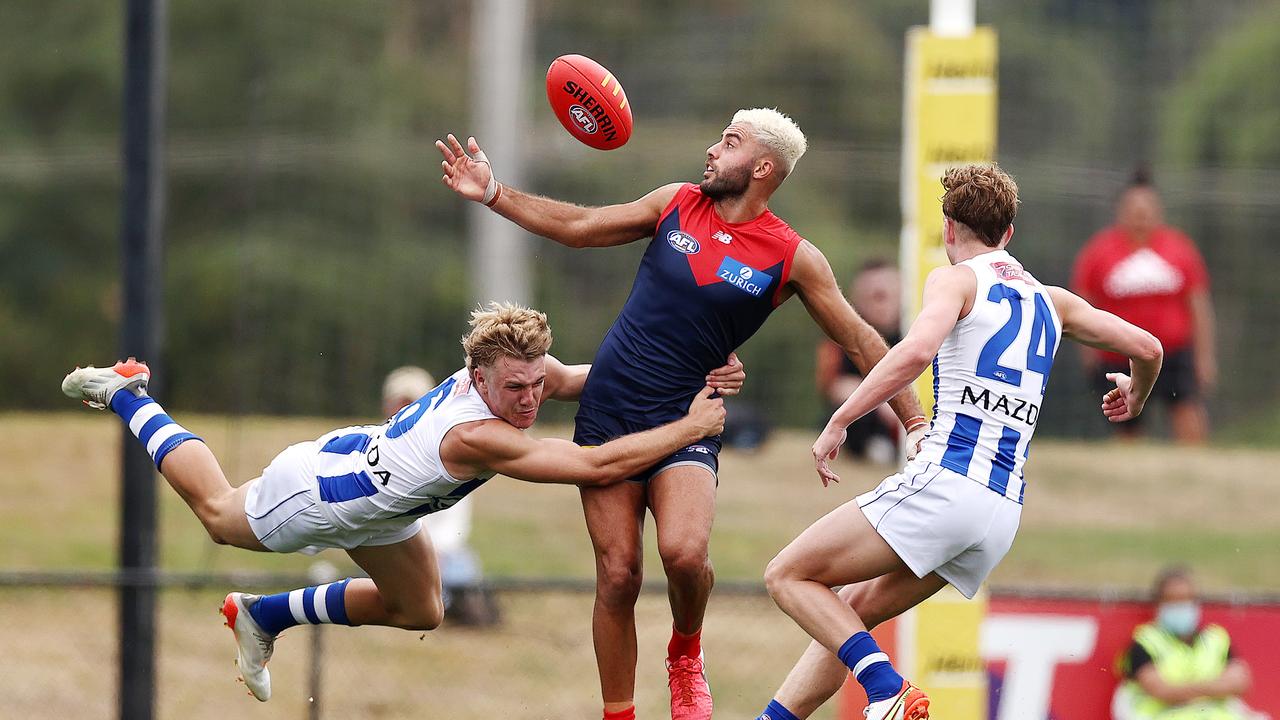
<point>1178,668</point>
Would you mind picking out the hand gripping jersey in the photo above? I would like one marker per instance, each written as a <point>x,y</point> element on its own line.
<point>990,375</point>
<point>703,288</point>
<point>374,473</point>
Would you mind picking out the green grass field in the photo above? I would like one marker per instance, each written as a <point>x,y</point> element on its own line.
<point>1098,517</point>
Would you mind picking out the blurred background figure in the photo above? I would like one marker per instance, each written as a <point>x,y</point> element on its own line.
<point>1152,275</point>
<point>1178,668</point>
<point>466,600</point>
<point>876,293</point>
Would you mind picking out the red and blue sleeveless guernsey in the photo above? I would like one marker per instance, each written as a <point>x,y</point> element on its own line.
<point>703,288</point>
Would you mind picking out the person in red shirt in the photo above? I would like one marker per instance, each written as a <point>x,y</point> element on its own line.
<point>1151,275</point>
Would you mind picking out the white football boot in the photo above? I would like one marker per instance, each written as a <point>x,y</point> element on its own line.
<point>96,386</point>
<point>909,704</point>
<point>253,644</point>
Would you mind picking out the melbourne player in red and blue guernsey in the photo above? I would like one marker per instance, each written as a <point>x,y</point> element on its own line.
<point>720,262</point>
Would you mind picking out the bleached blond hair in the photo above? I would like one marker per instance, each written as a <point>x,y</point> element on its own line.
<point>505,330</point>
<point>777,132</point>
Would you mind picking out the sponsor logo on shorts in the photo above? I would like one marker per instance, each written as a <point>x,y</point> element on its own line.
<point>684,242</point>
<point>698,448</point>
<point>747,279</point>
<point>583,118</point>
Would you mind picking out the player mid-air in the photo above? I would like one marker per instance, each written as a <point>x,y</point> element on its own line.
<point>991,330</point>
<point>363,489</point>
<point>720,262</point>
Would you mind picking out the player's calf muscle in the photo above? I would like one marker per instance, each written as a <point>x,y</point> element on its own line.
<point>367,605</point>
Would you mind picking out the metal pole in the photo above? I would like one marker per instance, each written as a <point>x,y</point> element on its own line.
<point>142,223</point>
<point>317,672</point>
<point>319,573</point>
<point>499,252</point>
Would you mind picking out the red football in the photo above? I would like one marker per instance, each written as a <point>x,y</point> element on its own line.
<point>589,102</point>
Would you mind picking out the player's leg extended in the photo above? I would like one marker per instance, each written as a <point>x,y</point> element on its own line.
<point>842,548</point>
<point>615,521</point>
<point>182,458</point>
<point>683,500</point>
<point>403,588</point>
<point>818,674</point>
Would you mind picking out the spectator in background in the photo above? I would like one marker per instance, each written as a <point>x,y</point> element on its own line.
<point>876,293</point>
<point>466,601</point>
<point>1178,668</point>
<point>1152,275</point>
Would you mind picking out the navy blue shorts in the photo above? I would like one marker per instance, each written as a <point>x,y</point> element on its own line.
<point>593,427</point>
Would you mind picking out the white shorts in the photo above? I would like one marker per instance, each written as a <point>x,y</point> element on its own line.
<point>283,507</point>
<point>940,521</point>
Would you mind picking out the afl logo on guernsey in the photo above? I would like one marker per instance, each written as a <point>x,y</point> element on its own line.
<point>747,279</point>
<point>683,241</point>
<point>583,118</point>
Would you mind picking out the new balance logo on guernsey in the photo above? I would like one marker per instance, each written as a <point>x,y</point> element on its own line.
<point>747,279</point>
<point>722,236</point>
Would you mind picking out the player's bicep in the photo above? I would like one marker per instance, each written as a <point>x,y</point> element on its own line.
<point>815,283</point>
<point>620,224</point>
<point>945,291</point>
<point>1100,329</point>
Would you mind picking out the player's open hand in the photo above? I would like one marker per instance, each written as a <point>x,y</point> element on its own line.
<point>825,450</point>
<point>728,378</point>
<point>468,175</point>
<point>707,413</point>
<point>1120,403</point>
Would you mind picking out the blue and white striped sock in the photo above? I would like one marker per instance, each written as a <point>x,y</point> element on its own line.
<point>157,431</point>
<point>308,606</point>
<point>871,667</point>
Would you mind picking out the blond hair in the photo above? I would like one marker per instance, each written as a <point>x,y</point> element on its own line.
<point>407,383</point>
<point>505,330</point>
<point>777,132</point>
<point>983,198</point>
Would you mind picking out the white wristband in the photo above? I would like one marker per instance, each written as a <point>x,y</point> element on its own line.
<point>494,189</point>
<point>491,191</point>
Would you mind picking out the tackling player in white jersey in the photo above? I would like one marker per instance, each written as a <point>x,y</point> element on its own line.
<point>363,489</point>
<point>991,331</point>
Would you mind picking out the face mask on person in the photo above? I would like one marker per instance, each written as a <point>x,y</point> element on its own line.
<point>1179,618</point>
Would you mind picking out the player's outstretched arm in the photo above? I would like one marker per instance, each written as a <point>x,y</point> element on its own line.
<point>1087,324</point>
<point>565,382</point>
<point>814,282</point>
<point>945,294</point>
<point>472,177</point>
<point>496,445</point>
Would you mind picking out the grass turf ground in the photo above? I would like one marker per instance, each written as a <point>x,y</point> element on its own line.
<point>1098,516</point>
